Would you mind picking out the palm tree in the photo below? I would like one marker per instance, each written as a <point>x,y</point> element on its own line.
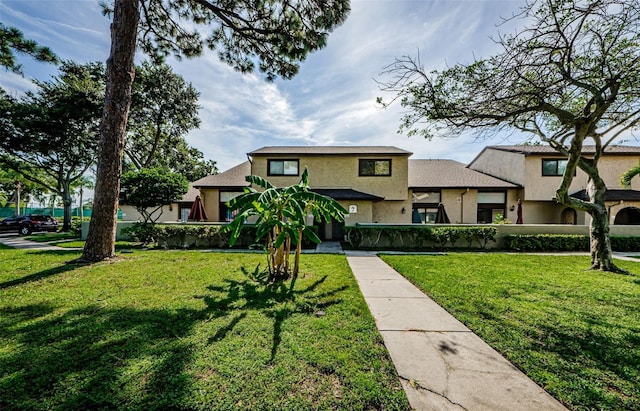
<point>626,178</point>
<point>281,217</point>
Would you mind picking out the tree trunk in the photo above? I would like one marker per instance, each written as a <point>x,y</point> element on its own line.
<point>100,243</point>
<point>601,253</point>
<point>600,243</point>
<point>66,203</point>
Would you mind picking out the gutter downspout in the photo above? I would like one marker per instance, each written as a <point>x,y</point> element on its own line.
<point>462,205</point>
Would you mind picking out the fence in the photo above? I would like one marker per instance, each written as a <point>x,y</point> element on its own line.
<point>56,212</point>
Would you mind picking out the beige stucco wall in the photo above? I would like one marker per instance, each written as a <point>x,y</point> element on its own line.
<point>342,172</point>
<point>501,164</point>
<point>211,200</point>
<point>364,212</point>
<point>462,205</point>
<point>169,213</point>
<point>543,188</point>
<point>390,212</point>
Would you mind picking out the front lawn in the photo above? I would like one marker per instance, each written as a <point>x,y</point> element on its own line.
<point>186,330</point>
<point>49,237</point>
<point>575,332</point>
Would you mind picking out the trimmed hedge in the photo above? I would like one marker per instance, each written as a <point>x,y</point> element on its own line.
<point>194,236</point>
<point>557,242</point>
<point>419,237</point>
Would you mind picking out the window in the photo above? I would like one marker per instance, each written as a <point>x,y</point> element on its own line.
<point>374,168</point>
<point>424,215</point>
<point>225,197</point>
<point>490,204</point>
<point>553,167</point>
<point>282,168</point>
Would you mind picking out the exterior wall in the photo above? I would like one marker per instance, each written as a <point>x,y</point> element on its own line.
<point>211,200</point>
<point>462,205</point>
<point>468,207</point>
<point>363,215</point>
<point>390,212</point>
<point>543,188</point>
<point>453,204</point>
<point>169,213</point>
<point>613,208</point>
<point>504,165</point>
<point>342,172</point>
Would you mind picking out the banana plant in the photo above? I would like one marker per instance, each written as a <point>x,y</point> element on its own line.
<point>280,216</point>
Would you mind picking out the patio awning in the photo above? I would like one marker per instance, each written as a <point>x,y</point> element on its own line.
<point>346,194</point>
<point>611,195</point>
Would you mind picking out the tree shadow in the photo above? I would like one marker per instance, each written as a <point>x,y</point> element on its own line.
<point>77,360</point>
<point>96,357</point>
<point>277,300</point>
<point>49,272</point>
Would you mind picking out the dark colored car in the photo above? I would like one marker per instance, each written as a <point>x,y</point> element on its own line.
<point>26,224</point>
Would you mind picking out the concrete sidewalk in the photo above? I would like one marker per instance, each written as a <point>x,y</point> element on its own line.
<point>442,364</point>
<point>16,241</point>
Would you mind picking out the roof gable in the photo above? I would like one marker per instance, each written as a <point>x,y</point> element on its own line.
<point>233,177</point>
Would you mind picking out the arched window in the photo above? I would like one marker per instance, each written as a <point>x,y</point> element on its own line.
<point>569,216</point>
<point>628,216</point>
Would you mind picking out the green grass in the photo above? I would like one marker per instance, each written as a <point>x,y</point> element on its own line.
<point>49,237</point>
<point>575,332</point>
<point>120,245</point>
<point>186,330</point>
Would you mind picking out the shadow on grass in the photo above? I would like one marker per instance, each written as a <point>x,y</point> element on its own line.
<point>80,360</point>
<point>96,357</point>
<point>279,300</point>
<point>49,272</point>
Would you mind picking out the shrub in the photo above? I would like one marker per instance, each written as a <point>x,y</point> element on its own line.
<point>194,235</point>
<point>547,242</point>
<point>625,243</point>
<point>417,236</point>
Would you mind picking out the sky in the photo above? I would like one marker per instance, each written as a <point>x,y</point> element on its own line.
<point>332,100</point>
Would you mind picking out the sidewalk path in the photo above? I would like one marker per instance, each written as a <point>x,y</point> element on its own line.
<point>442,364</point>
<point>16,241</point>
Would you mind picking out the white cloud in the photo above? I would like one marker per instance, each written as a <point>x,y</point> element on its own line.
<point>332,99</point>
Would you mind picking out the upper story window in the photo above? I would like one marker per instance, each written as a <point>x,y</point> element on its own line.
<point>283,168</point>
<point>374,168</point>
<point>553,167</point>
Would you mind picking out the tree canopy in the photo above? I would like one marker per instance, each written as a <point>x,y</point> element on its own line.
<point>163,110</point>
<point>12,40</point>
<point>274,35</point>
<point>54,129</point>
<point>569,77</point>
<point>151,188</point>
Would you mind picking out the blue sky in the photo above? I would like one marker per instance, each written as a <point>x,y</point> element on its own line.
<point>330,102</point>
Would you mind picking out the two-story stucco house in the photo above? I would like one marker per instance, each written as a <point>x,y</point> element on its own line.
<point>539,169</point>
<point>383,185</point>
<point>370,181</point>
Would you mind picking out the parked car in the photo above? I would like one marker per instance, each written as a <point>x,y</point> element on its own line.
<point>26,224</point>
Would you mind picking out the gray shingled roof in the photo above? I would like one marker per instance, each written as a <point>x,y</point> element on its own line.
<point>233,177</point>
<point>450,174</point>
<point>545,149</point>
<point>330,150</point>
<point>190,196</point>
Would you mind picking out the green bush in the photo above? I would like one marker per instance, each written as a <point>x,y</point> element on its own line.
<point>193,235</point>
<point>625,243</point>
<point>417,236</point>
<point>547,242</point>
